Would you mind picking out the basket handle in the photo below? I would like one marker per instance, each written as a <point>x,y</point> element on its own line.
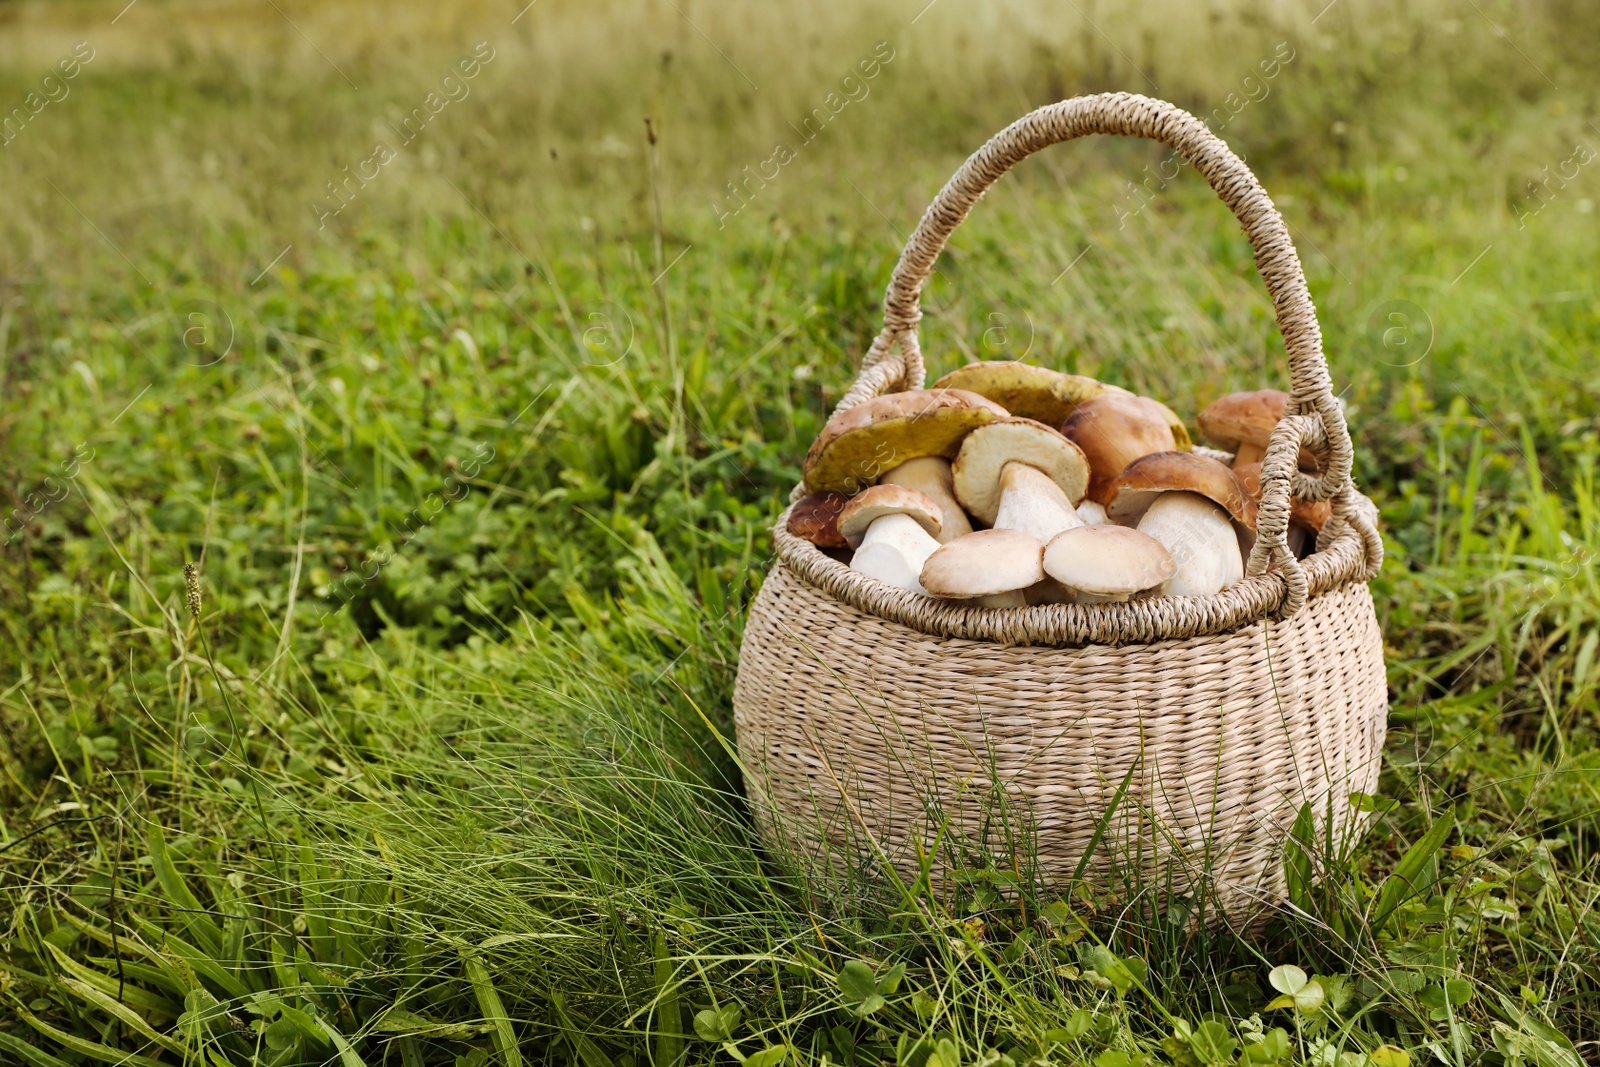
<point>1279,468</point>
<point>1127,114</point>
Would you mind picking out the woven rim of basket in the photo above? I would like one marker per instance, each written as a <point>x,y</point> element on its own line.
<point>1343,560</point>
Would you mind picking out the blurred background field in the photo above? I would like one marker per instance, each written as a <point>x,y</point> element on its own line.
<point>441,781</point>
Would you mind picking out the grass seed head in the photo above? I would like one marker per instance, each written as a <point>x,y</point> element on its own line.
<point>191,582</point>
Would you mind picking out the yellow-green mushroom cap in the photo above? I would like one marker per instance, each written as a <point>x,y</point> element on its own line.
<point>1041,394</point>
<point>1030,392</point>
<point>859,446</point>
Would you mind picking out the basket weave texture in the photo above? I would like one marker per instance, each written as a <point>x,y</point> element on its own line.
<point>1179,736</point>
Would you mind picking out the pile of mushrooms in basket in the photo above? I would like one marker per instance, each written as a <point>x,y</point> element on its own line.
<point>1006,485</point>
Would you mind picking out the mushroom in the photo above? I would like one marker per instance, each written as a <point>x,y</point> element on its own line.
<point>1306,517</point>
<point>1201,539</point>
<point>1038,393</point>
<point>1018,474</point>
<point>931,475</point>
<point>1136,487</point>
<point>1242,423</point>
<point>816,519</point>
<point>1194,506</point>
<point>861,445</point>
<point>1106,564</point>
<point>892,530</point>
<point>1113,430</point>
<point>989,567</point>
<point>1190,503</point>
<point>1030,392</point>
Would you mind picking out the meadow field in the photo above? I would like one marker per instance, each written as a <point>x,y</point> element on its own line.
<point>468,352</point>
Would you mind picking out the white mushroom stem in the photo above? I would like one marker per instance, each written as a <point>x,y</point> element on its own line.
<point>1014,599</point>
<point>894,549</point>
<point>931,475</point>
<point>1092,513</point>
<point>1201,538</point>
<point>1032,503</point>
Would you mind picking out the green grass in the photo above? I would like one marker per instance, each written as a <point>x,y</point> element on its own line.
<point>479,808</point>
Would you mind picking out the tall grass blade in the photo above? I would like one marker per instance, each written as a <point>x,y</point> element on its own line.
<point>348,1057</point>
<point>1105,821</point>
<point>589,1053</point>
<point>130,1018</point>
<point>1406,881</point>
<point>133,995</point>
<point>1298,867</point>
<point>669,1016</point>
<point>27,1054</point>
<point>494,1011</point>
<point>191,914</point>
<point>94,1050</point>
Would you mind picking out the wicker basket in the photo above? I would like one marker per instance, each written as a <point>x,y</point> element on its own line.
<point>1167,743</point>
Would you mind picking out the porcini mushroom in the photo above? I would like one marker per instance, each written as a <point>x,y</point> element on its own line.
<point>931,475</point>
<point>989,567</point>
<point>1242,423</point>
<point>1106,564</point>
<point>892,529</point>
<point>1017,474</point>
<point>1190,503</point>
<point>1038,393</point>
<point>858,447</point>
<point>816,519</point>
<point>1208,523</point>
<point>1025,390</point>
<point>1163,472</point>
<point>1113,430</point>
<point>1306,517</point>
<point>1137,487</point>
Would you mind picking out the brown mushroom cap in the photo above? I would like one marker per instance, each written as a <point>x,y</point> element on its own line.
<point>1243,418</point>
<point>1041,394</point>
<point>988,449</point>
<point>1180,433</point>
<point>1113,430</point>
<point>816,519</point>
<point>1108,561</point>
<point>859,445</point>
<point>870,505</point>
<point>1146,477</point>
<point>982,564</point>
<point>1312,514</point>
